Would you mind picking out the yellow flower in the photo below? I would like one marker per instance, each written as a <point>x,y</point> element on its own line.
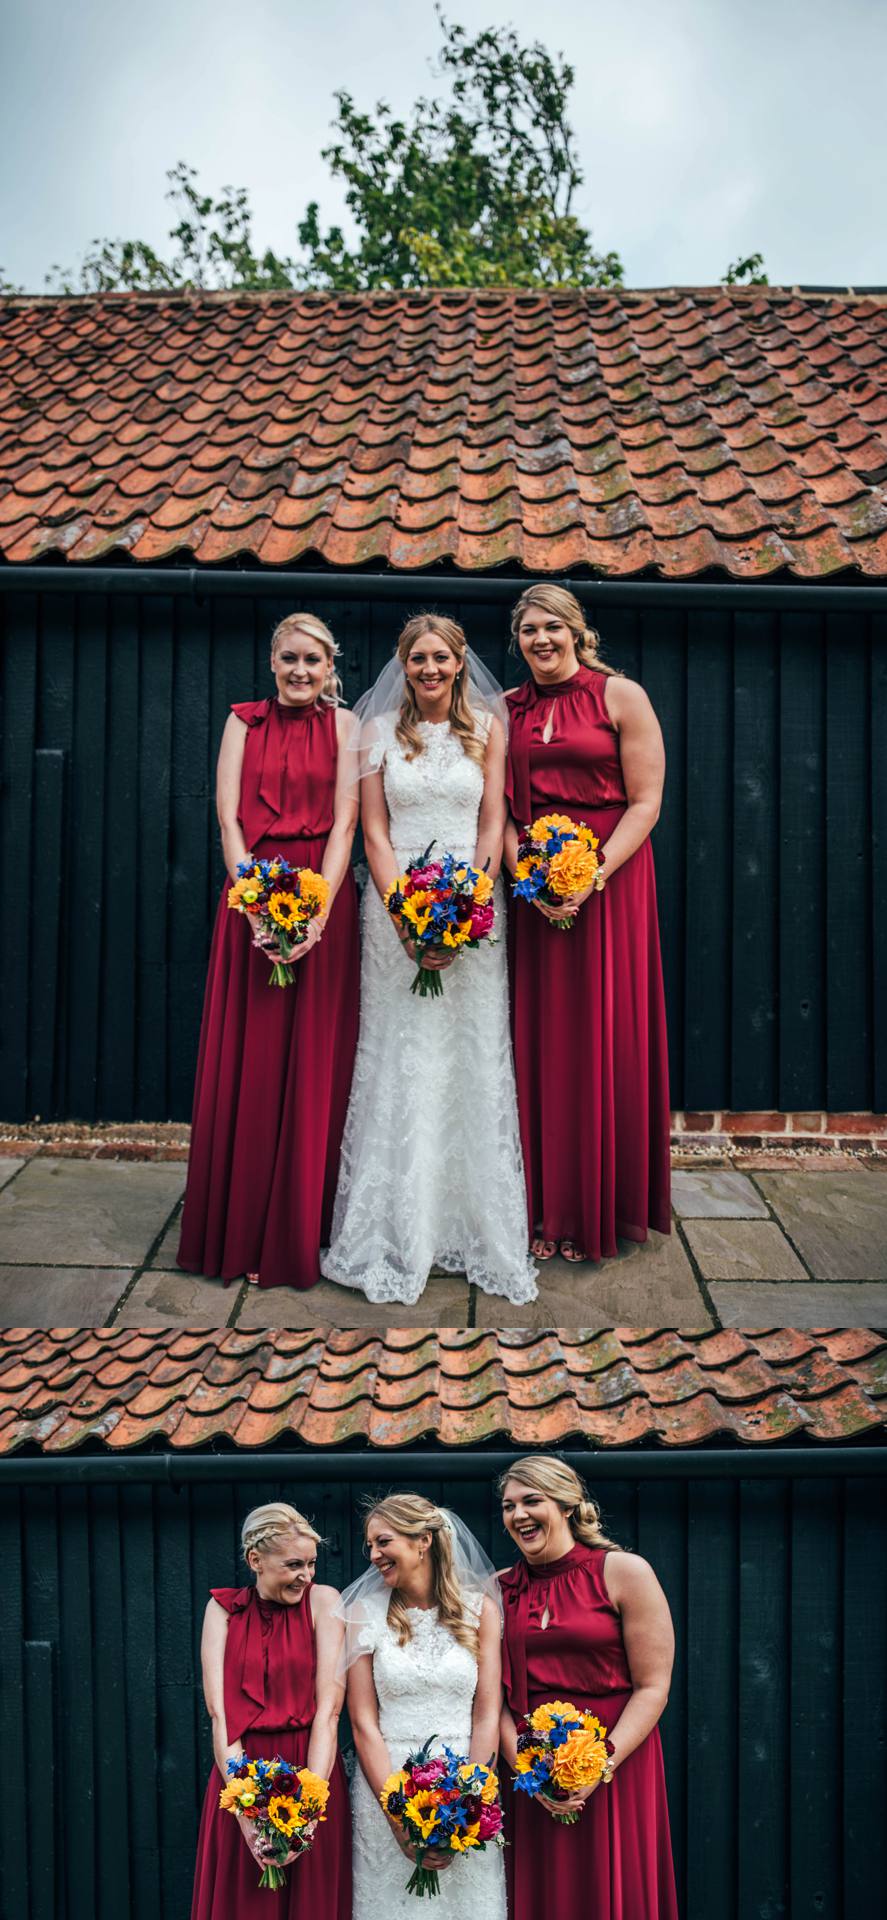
<point>396,885</point>
<point>483,889</point>
<point>457,936</point>
<point>526,1760</point>
<point>314,889</point>
<point>571,869</point>
<point>462,1843</point>
<point>244,894</point>
<point>490,1789</point>
<point>550,823</point>
<point>590,839</point>
<point>580,1762</point>
<point>283,1814</point>
<point>315,1792</point>
<point>544,1717</point>
<point>231,1795</point>
<point>417,904</point>
<point>524,868</point>
<point>422,1811</point>
<point>285,910</point>
<point>395,1783</point>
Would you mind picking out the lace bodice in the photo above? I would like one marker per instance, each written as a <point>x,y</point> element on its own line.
<point>426,1686</point>
<point>435,797</point>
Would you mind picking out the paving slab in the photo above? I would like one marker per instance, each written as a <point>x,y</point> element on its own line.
<point>444,1303</point>
<point>807,1303</point>
<point>60,1296</point>
<point>86,1212</point>
<point>837,1220</point>
<point>716,1194</point>
<point>9,1168</point>
<point>174,1299</point>
<point>165,1255</point>
<point>651,1285</point>
<point>742,1250</point>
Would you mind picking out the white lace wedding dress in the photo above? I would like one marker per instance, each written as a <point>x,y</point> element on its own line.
<point>431,1171</point>
<point>426,1687</point>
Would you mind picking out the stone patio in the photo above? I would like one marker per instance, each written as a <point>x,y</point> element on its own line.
<point>91,1241</point>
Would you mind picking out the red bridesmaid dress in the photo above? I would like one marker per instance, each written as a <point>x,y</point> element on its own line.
<point>615,1863</point>
<point>269,1707</point>
<point>274,1066</point>
<point>588,1009</point>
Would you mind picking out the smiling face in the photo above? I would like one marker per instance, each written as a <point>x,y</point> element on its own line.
<point>285,1569</point>
<point>431,668</point>
<point>398,1557</point>
<point>538,1525</point>
<point>548,646</point>
<point>300,666</point>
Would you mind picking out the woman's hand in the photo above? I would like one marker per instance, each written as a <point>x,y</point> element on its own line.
<point>436,958</point>
<point>436,1858</point>
<point>566,909</point>
<point>573,1803</point>
<point>262,1851</point>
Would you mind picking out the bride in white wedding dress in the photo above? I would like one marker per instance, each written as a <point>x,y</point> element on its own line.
<point>422,1647</point>
<point>431,1171</point>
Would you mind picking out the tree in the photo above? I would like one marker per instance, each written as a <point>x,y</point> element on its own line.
<point>749,272</point>
<point>473,189</point>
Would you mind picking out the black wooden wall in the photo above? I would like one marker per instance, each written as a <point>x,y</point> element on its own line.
<point>771,852</point>
<point>773,1736</point>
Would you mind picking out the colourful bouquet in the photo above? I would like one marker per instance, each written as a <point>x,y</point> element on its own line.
<point>443,1802</point>
<point>556,858</point>
<point>559,1750</point>
<point>281,1802</point>
<point>443,904</point>
<point>281,901</point>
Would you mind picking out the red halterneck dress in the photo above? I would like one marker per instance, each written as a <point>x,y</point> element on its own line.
<point>274,1066</point>
<point>588,1009</point>
<point>269,1706</point>
<point>615,1863</point>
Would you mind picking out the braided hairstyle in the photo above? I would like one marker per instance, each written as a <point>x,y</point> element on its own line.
<point>265,1525</point>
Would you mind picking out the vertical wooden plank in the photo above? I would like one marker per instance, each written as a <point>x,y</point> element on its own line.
<point>755,870</point>
<point>802,869</point>
<point>88,776</point>
<point>155,753</point>
<point>848,852</point>
<point>622,632</point>
<point>662,1539</point>
<point>712,1626</point>
<point>77,1731</point>
<point>46,925</point>
<point>113,1753</point>
<point>191,903</point>
<point>18,666</point>
<point>140,1676</point>
<point>55,734</point>
<point>709,855</point>
<point>878,762</point>
<point>815,1698</point>
<point>14,1875</point>
<point>180,1790</point>
<point>117,1038</point>
<point>663,671</point>
<point>39,1835</point>
<point>860,1729</point>
<point>762,1802</point>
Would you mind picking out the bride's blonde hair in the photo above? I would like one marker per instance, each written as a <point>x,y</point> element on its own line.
<point>412,1515</point>
<point>463,719</point>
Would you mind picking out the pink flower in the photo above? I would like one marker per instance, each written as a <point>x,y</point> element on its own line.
<point>427,876</point>
<point>482,920</point>
<point>426,1775</point>
<point>490,1822</point>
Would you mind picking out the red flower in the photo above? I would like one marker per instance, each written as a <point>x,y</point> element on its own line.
<point>482,920</point>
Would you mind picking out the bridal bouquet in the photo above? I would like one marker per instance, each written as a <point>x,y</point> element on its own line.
<point>443,1802</point>
<point>443,904</point>
<point>559,1750</point>
<point>281,901</point>
<point>282,1802</point>
<point>556,857</point>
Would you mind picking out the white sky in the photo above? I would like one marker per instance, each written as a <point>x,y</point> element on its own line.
<point>706,129</point>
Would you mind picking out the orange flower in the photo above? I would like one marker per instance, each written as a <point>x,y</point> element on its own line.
<point>483,888</point>
<point>314,889</point>
<point>551,823</point>
<point>572,869</point>
<point>580,1762</point>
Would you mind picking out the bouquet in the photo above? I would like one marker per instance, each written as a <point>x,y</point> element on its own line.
<point>444,903</point>
<point>281,901</point>
<point>444,1802</point>
<point>559,1750</point>
<point>281,1802</point>
<point>556,857</point>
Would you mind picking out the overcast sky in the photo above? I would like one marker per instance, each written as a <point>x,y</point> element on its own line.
<point>706,130</point>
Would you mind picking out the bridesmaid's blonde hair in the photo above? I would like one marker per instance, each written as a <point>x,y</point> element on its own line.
<point>565,607</point>
<point>308,624</point>
<point>412,1515</point>
<point>463,718</point>
<point>545,1473</point>
<point>264,1525</point>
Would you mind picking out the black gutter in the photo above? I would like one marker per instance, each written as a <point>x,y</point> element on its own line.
<point>419,588</point>
<point>390,1466</point>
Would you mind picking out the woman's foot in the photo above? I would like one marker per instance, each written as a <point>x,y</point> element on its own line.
<point>571,1252</point>
<point>252,1279</point>
<point>543,1249</point>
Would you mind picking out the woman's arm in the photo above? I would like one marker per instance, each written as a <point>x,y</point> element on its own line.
<point>642,754</point>
<point>228,774</point>
<point>329,1692</point>
<point>363,1711</point>
<point>510,845</point>
<point>212,1660</point>
<point>488,1692</point>
<point>345,807</point>
<point>508,1735</point>
<point>491,818</point>
<point>649,1645</point>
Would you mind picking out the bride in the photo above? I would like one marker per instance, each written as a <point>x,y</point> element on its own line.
<point>422,1645</point>
<point>431,1171</point>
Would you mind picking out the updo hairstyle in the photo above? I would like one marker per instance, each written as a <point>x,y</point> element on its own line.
<point>565,607</point>
<point>264,1525</point>
<point>313,629</point>
<point>545,1473</point>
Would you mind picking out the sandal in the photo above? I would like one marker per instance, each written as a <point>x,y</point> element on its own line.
<point>570,1251</point>
<point>543,1249</point>
<point>252,1279</point>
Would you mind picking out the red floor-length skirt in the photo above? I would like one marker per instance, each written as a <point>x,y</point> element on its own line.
<point>590,1056</point>
<point>226,1880</point>
<point>273,1078</point>
<point>615,1863</point>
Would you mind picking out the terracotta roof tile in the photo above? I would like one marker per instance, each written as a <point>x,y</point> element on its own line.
<point>678,431</point>
<point>66,1388</point>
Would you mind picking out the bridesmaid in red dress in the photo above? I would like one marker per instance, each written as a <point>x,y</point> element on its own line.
<point>274,1065</point>
<point>587,1624</point>
<point>269,1654</point>
<point>588,1011</point>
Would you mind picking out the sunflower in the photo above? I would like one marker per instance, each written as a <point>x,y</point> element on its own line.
<point>419,903</point>
<point>457,936</point>
<point>284,909</point>
<point>422,1811</point>
<point>283,1814</point>
<point>550,823</point>
<point>545,1717</point>
<point>526,867</point>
